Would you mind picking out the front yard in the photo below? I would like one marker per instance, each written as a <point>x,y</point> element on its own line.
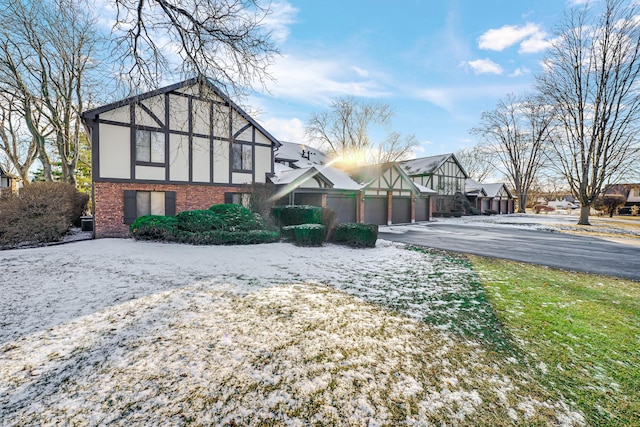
<point>125,332</point>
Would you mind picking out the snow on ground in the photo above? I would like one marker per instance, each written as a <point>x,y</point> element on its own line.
<point>125,332</point>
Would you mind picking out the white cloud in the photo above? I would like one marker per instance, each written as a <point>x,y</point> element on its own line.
<point>359,71</point>
<point>485,66</point>
<point>509,35</point>
<point>282,15</point>
<point>438,96</point>
<point>519,72</point>
<point>536,43</point>
<point>317,81</point>
<point>291,130</point>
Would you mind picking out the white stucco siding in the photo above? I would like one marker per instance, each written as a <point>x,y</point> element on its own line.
<point>241,178</point>
<point>261,139</point>
<point>246,135</point>
<point>262,162</point>
<point>201,160</point>
<point>238,123</point>
<point>179,113</point>
<point>115,152</point>
<point>150,172</point>
<point>221,121</point>
<point>201,117</point>
<point>178,158</point>
<point>221,162</point>
<point>156,106</point>
<point>120,115</point>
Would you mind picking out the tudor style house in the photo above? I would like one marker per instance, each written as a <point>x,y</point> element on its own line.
<point>185,146</point>
<point>443,173</point>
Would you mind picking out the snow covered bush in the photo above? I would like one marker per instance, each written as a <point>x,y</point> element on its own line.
<point>308,234</point>
<point>236,217</point>
<point>41,212</point>
<point>356,235</point>
<point>154,227</point>
<point>224,237</point>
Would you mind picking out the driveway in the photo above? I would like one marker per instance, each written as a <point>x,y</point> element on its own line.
<point>554,249</point>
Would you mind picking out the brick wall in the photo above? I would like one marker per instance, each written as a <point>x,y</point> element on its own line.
<point>109,202</point>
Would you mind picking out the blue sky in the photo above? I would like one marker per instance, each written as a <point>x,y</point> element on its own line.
<point>438,63</point>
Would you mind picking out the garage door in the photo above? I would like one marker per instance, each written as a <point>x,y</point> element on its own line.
<point>400,210</point>
<point>375,210</point>
<point>422,209</point>
<point>344,207</point>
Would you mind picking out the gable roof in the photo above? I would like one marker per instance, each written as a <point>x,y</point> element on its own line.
<point>7,174</point>
<point>366,175</point>
<point>297,177</point>
<point>91,114</point>
<point>301,154</point>
<point>428,165</point>
<point>494,188</point>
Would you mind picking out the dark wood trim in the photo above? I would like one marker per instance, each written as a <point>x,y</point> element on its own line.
<point>155,164</point>
<point>167,137</point>
<point>161,182</point>
<point>95,147</point>
<point>132,141</point>
<point>190,138</point>
<point>150,113</point>
<point>242,129</point>
<point>253,155</point>
<point>211,139</point>
<point>197,98</point>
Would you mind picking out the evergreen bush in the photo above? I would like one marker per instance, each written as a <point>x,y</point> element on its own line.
<point>154,227</point>
<point>235,217</point>
<point>309,234</point>
<point>296,215</point>
<point>356,235</point>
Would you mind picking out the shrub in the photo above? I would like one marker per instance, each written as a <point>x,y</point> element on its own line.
<point>225,237</point>
<point>198,221</point>
<point>356,235</point>
<point>42,212</point>
<point>296,215</point>
<point>235,217</point>
<point>154,227</point>
<point>308,234</point>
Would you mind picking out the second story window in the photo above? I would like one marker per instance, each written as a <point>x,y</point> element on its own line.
<point>149,146</point>
<point>242,157</point>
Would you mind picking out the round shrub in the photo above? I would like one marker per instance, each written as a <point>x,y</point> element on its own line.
<point>199,221</point>
<point>236,217</point>
<point>154,227</point>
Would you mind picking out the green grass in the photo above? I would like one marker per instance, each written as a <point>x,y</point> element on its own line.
<point>581,332</point>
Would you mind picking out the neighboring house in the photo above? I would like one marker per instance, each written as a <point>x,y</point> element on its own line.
<point>442,173</point>
<point>631,194</point>
<point>8,182</point>
<point>379,194</point>
<point>492,196</point>
<point>185,146</point>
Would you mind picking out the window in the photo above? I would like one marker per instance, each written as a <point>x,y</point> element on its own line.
<point>439,205</point>
<point>140,203</point>
<point>242,157</point>
<point>149,146</point>
<point>149,203</point>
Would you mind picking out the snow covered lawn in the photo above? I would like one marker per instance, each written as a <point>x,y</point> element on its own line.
<point>124,332</point>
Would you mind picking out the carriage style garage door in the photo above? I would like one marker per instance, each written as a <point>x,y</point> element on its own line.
<point>422,209</point>
<point>375,210</point>
<point>344,207</point>
<point>400,210</point>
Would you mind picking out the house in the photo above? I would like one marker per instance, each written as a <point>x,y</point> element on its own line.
<point>379,194</point>
<point>443,173</point>
<point>8,182</point>
<point>182,147</point>
<point>630,192</point>
<point>490,196</point>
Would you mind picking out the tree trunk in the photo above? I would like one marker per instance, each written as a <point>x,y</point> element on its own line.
<point>584,215</point>
<point>522,205</point>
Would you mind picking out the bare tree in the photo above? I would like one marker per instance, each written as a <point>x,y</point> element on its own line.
<point>515,132</point>
<point>16,143</point>
<point>344,129</point>
<point>591,78</point>
<point>225,40</point>
<point>477,162</point>
<point>47,53</point>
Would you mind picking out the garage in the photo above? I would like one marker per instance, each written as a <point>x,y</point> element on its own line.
<point>375,210</point>
<point>400,210</point>
<point>422,209</point>
<point>343,206</point>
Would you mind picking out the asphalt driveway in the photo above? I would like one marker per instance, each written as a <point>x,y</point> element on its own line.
<point>554,249</point>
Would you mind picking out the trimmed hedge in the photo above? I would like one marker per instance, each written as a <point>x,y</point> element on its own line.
<point>356,235</point>
<point>296,215</point>
<point>198,221</point>
<point>308,234</point>
<point>236,217</point>
<point>224,237</point>
<point>154,227</point>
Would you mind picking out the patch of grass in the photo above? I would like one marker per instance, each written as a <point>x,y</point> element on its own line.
<point>582,332</point>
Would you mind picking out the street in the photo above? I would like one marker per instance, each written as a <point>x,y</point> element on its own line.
<point>554,249</point>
